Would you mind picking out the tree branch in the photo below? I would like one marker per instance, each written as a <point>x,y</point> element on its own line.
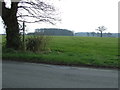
<point>38,10</point>
<point>42,20</point>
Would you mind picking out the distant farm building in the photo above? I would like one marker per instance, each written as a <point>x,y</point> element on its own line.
<point>53,32</point>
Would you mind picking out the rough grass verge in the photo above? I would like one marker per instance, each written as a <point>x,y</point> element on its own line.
<point>73,51</point>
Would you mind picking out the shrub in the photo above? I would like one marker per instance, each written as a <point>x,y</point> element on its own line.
<point>36,43</point>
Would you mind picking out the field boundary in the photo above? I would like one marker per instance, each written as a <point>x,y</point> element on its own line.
<point>62,64</point>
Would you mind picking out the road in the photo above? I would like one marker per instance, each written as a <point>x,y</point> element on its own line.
<point>31,75</point>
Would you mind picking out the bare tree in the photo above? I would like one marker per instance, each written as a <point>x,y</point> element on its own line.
<point>32,11</point>
<point>29,11</point>
<point>101,29</point>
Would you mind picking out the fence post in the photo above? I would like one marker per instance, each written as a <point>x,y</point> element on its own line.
<point>24,35</point>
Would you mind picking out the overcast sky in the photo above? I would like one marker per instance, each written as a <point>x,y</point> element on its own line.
<point>83,16</point>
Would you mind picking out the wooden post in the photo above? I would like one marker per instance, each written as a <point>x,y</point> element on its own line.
<point>23,35</point>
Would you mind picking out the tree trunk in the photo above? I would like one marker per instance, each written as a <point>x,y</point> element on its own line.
<point>9,17</point>
<point>101,33</point>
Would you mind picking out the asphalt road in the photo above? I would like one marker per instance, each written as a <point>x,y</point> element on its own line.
<point>31,75</point>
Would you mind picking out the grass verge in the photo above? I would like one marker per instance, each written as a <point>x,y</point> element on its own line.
<point>73,51</point>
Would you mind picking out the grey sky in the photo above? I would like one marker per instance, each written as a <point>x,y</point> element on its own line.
<point>84,15</point>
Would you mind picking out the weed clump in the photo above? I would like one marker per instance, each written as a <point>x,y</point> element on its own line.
<point>36,43</point>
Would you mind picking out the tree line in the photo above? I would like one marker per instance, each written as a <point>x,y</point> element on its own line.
<point>99,34</point>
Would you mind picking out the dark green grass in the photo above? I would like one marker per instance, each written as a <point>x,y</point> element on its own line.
<point>72,50</point>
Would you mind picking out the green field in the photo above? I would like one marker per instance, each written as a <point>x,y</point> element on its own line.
<point>73,50</point>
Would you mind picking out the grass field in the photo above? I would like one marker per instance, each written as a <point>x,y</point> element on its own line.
<point>73,50</point>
